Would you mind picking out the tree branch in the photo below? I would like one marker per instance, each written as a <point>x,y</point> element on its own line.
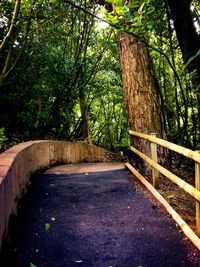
<point>117,27</point>
<point>12,26</point>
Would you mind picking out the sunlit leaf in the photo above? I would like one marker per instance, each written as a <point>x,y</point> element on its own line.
<point>117,2</point>
<point>120,10</point>
<point>134,4</point>
<point>53,1</point>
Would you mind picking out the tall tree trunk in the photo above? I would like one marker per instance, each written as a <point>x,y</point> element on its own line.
<point>188,38</point>
<point>189,41</point>
<point>140,86</point>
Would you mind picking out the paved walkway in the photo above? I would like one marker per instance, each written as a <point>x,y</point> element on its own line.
<point>79,215</point>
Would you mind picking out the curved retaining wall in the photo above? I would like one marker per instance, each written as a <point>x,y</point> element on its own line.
<point>19,162</point>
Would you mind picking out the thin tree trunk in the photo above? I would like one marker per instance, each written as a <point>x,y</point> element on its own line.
<point>85,126</point>
<point>39,112</point>
<point>12,26</point>
<point>140,88</point>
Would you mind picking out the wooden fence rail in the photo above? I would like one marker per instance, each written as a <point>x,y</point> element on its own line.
<point>156,169</point>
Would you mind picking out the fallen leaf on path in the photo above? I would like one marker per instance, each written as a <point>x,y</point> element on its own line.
<point>47,226</point>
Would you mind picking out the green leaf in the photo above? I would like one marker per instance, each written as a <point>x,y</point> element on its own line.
<point>125,142</point>
<point>150,10</point>
<point>2,136</point>
<point>53,1</point>
<point>113,19</point>
<point>149,26</point>
<point>47,226</point>
<point>32,265</point>
<point>134,4</point>
<point>142,6</point>
<point>120,10</point>
<point>118,2</point>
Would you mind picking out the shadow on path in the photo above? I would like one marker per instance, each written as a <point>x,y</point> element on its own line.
<point>95,219</point>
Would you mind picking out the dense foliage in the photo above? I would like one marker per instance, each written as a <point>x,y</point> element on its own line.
<point>60,65</point>
<point>67,57</point>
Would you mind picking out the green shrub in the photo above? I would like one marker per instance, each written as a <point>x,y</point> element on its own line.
<point>2,136</point>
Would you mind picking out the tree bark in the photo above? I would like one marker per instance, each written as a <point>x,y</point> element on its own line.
<point>140,88</point>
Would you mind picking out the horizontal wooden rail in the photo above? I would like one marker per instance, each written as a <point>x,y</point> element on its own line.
<point>179,149</point>
<point>182,224</point>
<point>194,192</point>
<point>187,187</point>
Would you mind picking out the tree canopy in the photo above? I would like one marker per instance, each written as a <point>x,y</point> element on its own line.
<point>60,73</point>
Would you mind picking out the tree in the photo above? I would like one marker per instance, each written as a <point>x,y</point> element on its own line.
<point>189,39</point>
<point>61,87</point>
<point>55,89</point>
<point>138,77</point>
<point>140,88</point>
<point>16,18</point>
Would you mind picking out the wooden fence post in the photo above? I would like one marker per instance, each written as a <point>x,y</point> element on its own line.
<point>154,157</point>
<point>197,185</point>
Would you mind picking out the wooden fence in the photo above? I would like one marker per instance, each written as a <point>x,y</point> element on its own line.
<point>156,169</point>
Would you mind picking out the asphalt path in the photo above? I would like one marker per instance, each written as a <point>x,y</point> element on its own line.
<point>92,215</point>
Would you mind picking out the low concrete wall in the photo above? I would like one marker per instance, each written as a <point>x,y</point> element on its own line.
<point>19,162</point>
